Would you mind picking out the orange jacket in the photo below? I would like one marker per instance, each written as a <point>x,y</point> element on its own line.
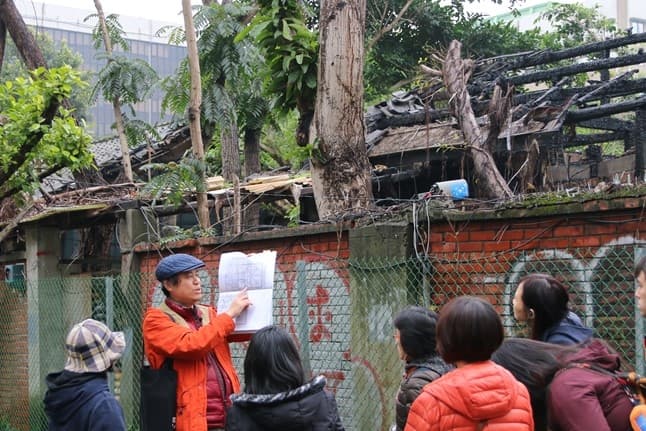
<point>478,396</point>
<point>189,348</point>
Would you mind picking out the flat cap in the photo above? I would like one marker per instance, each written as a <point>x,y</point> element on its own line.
<point>176,264</point>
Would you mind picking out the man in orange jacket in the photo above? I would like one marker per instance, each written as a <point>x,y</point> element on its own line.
<point>195,338</point>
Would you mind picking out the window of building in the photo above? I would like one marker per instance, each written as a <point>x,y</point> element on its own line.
<point>638,25</point>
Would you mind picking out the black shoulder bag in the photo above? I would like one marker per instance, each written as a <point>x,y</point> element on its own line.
<point>158,397</point>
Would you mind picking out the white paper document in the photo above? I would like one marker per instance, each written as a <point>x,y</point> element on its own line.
<point>255,272</point>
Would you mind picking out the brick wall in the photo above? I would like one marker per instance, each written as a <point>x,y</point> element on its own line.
<point>466,252</point>
<point>341,313</point>
<point>594,253</point>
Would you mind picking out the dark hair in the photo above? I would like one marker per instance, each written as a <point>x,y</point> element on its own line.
<point>549,299</point>
<point>469,329</point>
<point>173,280</point>
<point>533,363</point>
<point>272,363</point>
<point>640,267</point>
<point>416,327</point>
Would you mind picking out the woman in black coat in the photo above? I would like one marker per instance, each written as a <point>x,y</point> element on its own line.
<point>276,396</point>
<point>415,339</point>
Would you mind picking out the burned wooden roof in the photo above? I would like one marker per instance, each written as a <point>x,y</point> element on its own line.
<point>546,99</point>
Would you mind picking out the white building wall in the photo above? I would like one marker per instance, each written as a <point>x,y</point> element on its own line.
<point>627,13</point>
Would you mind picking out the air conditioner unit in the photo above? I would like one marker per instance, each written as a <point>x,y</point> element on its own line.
<point>14,273</point>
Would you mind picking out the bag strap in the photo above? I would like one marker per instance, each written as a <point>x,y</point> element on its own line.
<point>592,367</point>
<point>168,362</point>
<point>619,377</point>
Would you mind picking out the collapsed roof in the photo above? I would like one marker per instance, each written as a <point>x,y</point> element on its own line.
<point>547,105</point>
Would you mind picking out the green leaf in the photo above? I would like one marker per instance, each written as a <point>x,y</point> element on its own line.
<point>287,32</point>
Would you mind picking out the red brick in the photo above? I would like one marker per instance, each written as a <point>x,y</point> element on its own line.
<point>568,231</point>
<point>493,268</point>
<point>483,235</point>
<point>497,245</point>
<point>443,227</point>
<point>436,237</point>
<point>456,236</point>
<point>445,247</point>
<point>344,254</point>
<point>600,229</point>
<point>511,234</point>
<point>318,247</point>
<point>538,233</point>
<point>524,245</point>
<point>443,267</point>
<point>586,241</point>
<point>553,243</point>
<point>473,267</point>
<point>631,227</point>
<point>470,246</point>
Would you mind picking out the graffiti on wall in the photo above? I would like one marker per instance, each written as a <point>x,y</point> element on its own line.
<point>582,272</point>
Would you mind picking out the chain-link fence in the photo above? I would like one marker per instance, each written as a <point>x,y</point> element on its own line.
<point>340,312</point>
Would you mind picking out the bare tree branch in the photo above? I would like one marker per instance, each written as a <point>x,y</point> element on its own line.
<point>395,22</point>
<point>456,73</point>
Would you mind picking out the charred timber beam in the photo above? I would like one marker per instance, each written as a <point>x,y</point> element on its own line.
<point>559,72</point>
<point>395,177</point>
<point>407,119</point>
<point>595,138</point>
<point>638,140</point>
<point>542,57</point>
<point>606,85</point>
<point>604,111</point>
<point>623,88</point>
<point>608,123</point>
<point>559,96</point>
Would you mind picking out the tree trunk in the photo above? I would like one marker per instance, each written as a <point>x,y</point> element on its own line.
<point>230,151</point>
<point>456,73</point>
<point>21,36</point>
<point>3,41</point>
<point>341,176</point>
<point>251,215</point>
<point>251,151</point>
<point>116,103</point>
<point>194,111</point>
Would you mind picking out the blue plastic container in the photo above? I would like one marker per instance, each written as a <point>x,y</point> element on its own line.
<point>456,189</point>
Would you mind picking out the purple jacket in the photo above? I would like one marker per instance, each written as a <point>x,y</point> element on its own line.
<point>582,399</point>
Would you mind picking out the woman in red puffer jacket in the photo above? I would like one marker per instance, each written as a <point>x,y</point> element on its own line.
<point>478,394</point>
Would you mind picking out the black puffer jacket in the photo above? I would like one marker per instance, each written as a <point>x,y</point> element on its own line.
<point>416,376</point>
<point>307,408</point>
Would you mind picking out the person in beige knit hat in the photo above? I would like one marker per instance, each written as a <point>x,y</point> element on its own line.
<point>78,397</point>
